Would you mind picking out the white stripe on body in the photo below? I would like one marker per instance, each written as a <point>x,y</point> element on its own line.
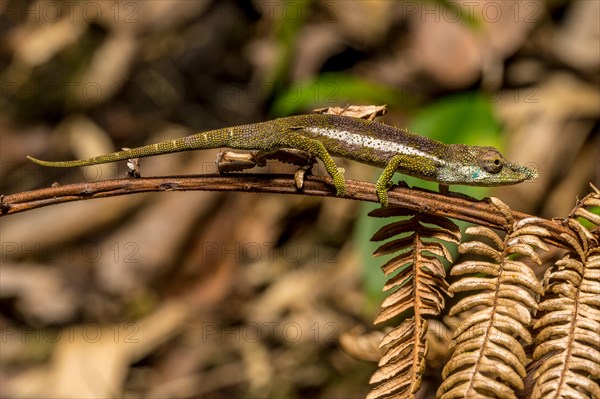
<point>370,142</point>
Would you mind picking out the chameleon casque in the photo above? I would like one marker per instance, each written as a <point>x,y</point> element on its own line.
<point>323,136</point>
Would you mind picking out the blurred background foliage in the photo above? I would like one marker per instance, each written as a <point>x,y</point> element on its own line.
<point>185,295</point>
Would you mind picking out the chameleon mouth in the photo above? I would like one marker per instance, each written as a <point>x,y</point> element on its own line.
<point>527,172</point>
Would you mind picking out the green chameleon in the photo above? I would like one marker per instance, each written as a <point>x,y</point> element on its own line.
<point>323,136</point>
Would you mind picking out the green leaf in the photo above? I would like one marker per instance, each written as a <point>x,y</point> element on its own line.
<point>331,89</point>
<point>466,118</point>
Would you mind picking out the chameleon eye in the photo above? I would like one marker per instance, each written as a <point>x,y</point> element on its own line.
<point>492,163</point>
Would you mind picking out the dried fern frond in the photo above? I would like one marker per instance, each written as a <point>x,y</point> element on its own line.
<point>489,359</point>
<point>417,277</point>
<point>569,330</point>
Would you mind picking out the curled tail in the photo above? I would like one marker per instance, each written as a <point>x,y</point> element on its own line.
<point>212,139</point>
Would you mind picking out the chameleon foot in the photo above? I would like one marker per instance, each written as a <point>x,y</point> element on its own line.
<point>383,196</point>
<point>340,182</point>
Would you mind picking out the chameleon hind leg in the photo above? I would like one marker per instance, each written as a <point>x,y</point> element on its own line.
<point>316,149</point>
<point>417,165</point>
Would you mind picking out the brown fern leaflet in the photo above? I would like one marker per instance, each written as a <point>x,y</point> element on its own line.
<point>489,359</point>
<point>417,278</point>
<point>569,330</point>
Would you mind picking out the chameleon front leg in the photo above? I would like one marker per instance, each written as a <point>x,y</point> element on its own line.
<point>418,165</point>
<point>316,149</point>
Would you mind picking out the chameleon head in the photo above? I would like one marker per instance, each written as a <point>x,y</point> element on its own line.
<point>485,166</point>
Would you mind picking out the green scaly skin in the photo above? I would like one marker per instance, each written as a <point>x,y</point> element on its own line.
<point>369,142</point>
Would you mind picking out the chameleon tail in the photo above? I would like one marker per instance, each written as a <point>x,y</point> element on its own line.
<point>211,139</point>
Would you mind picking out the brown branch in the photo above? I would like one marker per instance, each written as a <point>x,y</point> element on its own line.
<point>470,210</point>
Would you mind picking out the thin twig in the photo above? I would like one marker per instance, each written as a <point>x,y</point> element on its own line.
<point>470,210</point>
